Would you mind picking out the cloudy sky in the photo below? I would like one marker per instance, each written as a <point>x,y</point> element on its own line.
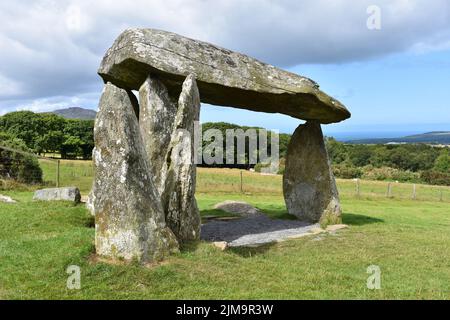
<point>393,75</point>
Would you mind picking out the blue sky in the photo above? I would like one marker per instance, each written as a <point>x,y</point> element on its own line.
<point>394,79</point>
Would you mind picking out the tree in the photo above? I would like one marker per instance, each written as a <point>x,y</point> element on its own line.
<point>442,163</point>
<point>359,155</point>
<point>83,130</point>
<point>50,142</point>
<point>336,150</point>
<point>31,127</point>
<point>71,147</point>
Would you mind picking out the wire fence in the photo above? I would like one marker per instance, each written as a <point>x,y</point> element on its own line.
<point>18,166</point>
<point>246,182</point>
<point>80,173</point>
<point>393,190</point>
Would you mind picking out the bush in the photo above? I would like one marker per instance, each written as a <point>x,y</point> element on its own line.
<point>346,171</point>
<point>436,177</point>
<point>18,166</point>
<point>387,173</point>
<point>442,163</point>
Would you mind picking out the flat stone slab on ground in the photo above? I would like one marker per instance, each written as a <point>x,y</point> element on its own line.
<point>254,231</point>
<point>237,207</point>
<point>58,194</point>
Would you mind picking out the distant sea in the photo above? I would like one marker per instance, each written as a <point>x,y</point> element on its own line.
<point>358,135</point>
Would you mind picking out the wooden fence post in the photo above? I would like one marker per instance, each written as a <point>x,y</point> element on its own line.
<point>358,188</point>
<point>57,173</point>
<point>389,190</point>
<point>242,189</point>
<point>414,195</point>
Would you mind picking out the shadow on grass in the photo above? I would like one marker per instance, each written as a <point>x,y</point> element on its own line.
<point>189,247</point>
<point>215,213</point>
<point>278,214</point>
<point>89,221</point>
<point>245,252</point>
<point>248,252</point>
<point>271,213</point>
<point>359,219</point>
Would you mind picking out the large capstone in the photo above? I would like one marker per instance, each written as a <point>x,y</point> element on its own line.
<point>309,186</point>
<point>157,117</point>
<point>129,219</point>
<point>180,206</point>
<point>224,77</point>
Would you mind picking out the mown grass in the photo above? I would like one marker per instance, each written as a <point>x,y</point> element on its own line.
<point>227,181</point>
<point>407,239</point>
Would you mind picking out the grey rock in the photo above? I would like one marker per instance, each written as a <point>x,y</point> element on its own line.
<point>254,231</point>
<point>224,77</point>
<point>180,206</point>
<point>237,207</point>
<point>6,199</point>
<point>157,117</point>
<point>58,194</point>
<point>309,186</point>
<point>129,219</point>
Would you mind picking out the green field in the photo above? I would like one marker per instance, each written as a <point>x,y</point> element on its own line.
<point>408,240</point>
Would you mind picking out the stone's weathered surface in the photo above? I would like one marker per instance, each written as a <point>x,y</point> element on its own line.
<point>237,207</point>
<point>129,219</point>
<point>180,206</point>
<point>309,186</point>
<point>58,194</point>
<point>6,199</point>
<point>157,117</point>
<point>254,230</point>
<point>224,77</point>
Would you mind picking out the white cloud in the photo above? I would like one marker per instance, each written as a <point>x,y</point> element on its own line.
<point>89,101</point>
<point>53,48</point>
<point>9,87</point>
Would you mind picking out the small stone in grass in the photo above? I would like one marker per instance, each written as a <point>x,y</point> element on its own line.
<point>6,199</point>
<point>222,245</point>
<point>56,194</point>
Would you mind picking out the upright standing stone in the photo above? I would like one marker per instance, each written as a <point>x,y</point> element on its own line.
<point>180,206</point>
<point>129,219</point>
<point>309,186</point>
<point>157,116</point>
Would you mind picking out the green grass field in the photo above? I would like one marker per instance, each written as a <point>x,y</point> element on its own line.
<point>408,239</point>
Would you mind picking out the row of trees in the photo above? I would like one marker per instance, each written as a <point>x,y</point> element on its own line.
<point>223,127</point>
<point>50,133</point>
<point>405,162</point>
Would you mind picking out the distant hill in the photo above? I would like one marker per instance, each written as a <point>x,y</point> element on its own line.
<point>76,113</point>
<point>436,137</point>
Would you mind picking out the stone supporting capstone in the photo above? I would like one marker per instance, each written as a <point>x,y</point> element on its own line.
<point>167,129</point>
<point>309,186</point>
<point>157,117</point>
<point>129,218</point>
<point>178,198</point>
